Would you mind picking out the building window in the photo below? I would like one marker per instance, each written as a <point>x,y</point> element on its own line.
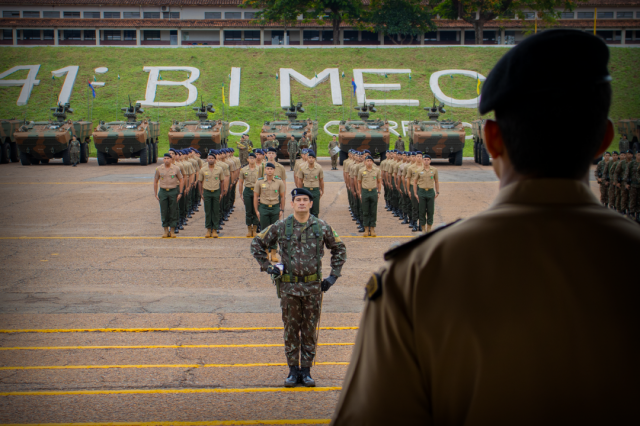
<point>605,15</point>
<point>448,36</point>
<point>489,36</point>
<point>327,36</point>
<point>431,36</point>
<point>585,15</point>
<point>469,36</point>
<point>129,34</point>
<point>31,34</point>
<point>91,15</point>
<point>37,14</point>
<point>111,15</point>
<point>89,34</point>
<point>232,15</point>
<point>71,35</point>
<point>529,15</point>
<point>508,15</point>
<point>252,35</point>
<point>7,34</point>
<point>131,15</point>
<point>112,35</point>
<point>233,36</point>
<point>151,35</point>
<point>47,34</point>
<point>567,15</point>
<point>249,15</point>
<point>624,15</point>
<point>350,36</point>
<point>368,36</point>
<point>213,15</point>
<point>637,14</point>
<point>151,15</point>
<point>170,15</point>
<point>55,14</point>
<point>71,14</point>
<point>10,14</point>
<point>311,35</point>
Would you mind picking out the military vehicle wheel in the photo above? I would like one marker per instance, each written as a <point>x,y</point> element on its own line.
<point>144,156</point>
<point>84,152</point>
<point>485,159</point>
<point>24,159</point>
<point>112,160</point>
<point>343,157</point>
<point>5,155</point>
<point>102,159</point>
<point>34,161</point>
<point>451,160</point>
<point>45,161</point>
<point>155,153</point>
<point>475,150</point>
<point>66,157</point>
<point>15,154</point>
<point>458,159</point>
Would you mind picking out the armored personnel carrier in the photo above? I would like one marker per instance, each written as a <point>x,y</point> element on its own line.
<point>292,127</point>
<point>439,139</point>
<point>202,135</point>
<point>127,139</point>
<point>364,134</point>
<point>40,141</point>
<point>480,153</point>
<point>8,147</point>
<point>630,128</point>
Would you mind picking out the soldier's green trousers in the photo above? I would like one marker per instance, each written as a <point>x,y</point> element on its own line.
<point>406,199</point>
<point>243,156</point>
<point>181,205</point>
<point>334,161</point>
<point>427,204</point>
<point>394,194</point>
<point>415,204</point>
<point>604,196</point>
<point>315,208</point>
<point>169,206</point>
<point>74,155</point>
<point>300,316</point>
<point>211,208</point>
<point>250,216</point>
<point>634,200</point>
<point>624,198</point>
<point>369,207</point>
<point>269,216</point>
<point>612,195</point>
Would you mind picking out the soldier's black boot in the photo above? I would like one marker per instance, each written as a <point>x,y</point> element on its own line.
<point>401,216</point>
<point>419,228</point>
<point>360,228</point>
<point>415,227</point>
<point>406,219</point>
<point>305,375</point>
<point>292,379</point>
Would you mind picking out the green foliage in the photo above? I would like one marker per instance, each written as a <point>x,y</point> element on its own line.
<point>407,18</point>
<point>259,89</point>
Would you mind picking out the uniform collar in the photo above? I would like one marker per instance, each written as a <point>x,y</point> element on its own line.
<point>546,191</point>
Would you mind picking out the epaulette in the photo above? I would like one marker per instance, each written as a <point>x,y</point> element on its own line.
<point>261,178</point>
<point>277,177</point>
<point>414,242</point>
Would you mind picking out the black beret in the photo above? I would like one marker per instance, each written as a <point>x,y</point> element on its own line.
<point>418,152</point>
<point>270,165</point>
<point>311,153</point>
<point>366,151</point>
<point>167,155</point>
<point>550,65</point>
<point>615,152</point>
<point>251,154</point>
<point>272,149</point>
<point>627,152</point>
<point>426,156</point>
<point>368,157</point>
<point>301,191</point>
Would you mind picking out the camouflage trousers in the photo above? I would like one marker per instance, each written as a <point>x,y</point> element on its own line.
<point>75,156</point>
<point>334,161</point>
<point>244,156</point>
<point>300,316</point>
<point>612,196</point>
<point>604,193</point>
<point>634,201</point>
<point>624,199</point>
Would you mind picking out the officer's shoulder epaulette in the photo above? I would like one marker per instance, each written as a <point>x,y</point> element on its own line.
<point>276,177</point>
<point>410,245</point>
<point>260,178</point>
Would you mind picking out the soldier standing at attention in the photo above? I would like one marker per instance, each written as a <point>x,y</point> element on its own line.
<point>238,167</point>
<point>292,149</point>
<point>302,238</point>
<point>226,184</point>
<point>268,202</point>
<point>617,178</point>
<point>611,183</point>
<point>599,173</point>
<point>369,186</point>
<point>634,188</point>
<point>425,181</point>
<point>74,150</point>
<point>248,179</point>
<point>209,180</point>
<point>243,149</point>
<point>345,167</point>
<point>334,157</point>
<point>415,202</point>
<point>399,144</point>
<point>279,168</point>
<point>235,172</point>
<point>312,178</point>
<point>623,144</point>
<point>300,162</point>
<point>169,178</point>
<point>621,172</point>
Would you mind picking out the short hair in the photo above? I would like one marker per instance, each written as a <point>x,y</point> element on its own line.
<point>529,137</point>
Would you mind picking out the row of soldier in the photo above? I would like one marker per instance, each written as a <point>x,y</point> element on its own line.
<point>619,178</point>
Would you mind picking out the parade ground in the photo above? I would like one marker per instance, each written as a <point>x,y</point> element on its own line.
<point>103,321</point>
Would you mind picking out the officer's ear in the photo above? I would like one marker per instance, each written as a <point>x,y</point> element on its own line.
<point>493,139</point>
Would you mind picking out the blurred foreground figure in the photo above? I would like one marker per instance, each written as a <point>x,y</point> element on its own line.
<point>507,318</point>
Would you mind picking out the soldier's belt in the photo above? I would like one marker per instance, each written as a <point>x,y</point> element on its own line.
<point>286,278</point>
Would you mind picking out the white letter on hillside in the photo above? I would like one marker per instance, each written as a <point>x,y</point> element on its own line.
<point>286,74</point>
<point>67,88</point>
<point>27,84</point>
<point>234,87</point>
<point>361,86</point>
<point>153,82</point>
<point>457,103</point>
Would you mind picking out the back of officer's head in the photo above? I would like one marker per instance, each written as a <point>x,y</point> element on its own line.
<point>551,91</point>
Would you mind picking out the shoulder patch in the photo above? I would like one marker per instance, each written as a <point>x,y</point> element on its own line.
<point>412,243</point>
<point>275,177</point>
<point>264,232</point>
<point>260,178</point>
<point>373,289</point>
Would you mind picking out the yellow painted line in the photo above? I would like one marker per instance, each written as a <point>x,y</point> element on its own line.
<point>141,330</point>
<point>253,345</point>
<point>201,423</point>
<point>169,391</point>
<point>92,367</point>
<point>178,238</point>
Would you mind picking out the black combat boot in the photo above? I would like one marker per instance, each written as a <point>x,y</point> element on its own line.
<point>415,227</point>
<point>401,216</point>
<point>395,213</point>
<point>360,228</point>
<point>292,379</point>
<point>305,376</point>
<point>406,219</point>
<point>419,228</point>
<point>189,215</point>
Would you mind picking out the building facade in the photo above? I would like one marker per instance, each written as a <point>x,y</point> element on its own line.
<point>225,23</point>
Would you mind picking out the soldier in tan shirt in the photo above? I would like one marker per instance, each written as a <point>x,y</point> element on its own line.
<point>169,178</point>
<point>226,185</point>
<point>248,179</point>
<point>426,190</point>
<point>210,178</point>
<point>268,201</point>
<point>311,177</point>
<point>369,186</point>
<point>416,163</point>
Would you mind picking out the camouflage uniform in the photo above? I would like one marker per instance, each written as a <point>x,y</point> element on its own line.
<point>399,144</point>
<point>244,146</point>
<point>600,174</point>
<point>74,151</point>
<point>631,178</point>
<point>334,158</point>
<point>622,194</point>
<point>301,257</point>
<point>612,183</point>
<point>292,148</point>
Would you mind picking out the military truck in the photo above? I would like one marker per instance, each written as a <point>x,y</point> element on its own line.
<point>127,139</point>
<point>291,127</point>
<point>439,139</point>
<point>40,141</point>
<point>202,135</point>
<point>630,128</point>
<point>480,153</point>
<point>8,147</point>
<point>365,133</point>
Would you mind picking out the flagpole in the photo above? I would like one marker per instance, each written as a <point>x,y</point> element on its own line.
<point>595,16</point>
<point>117,96</point>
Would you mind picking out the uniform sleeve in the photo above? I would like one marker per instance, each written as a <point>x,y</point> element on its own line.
<point>226,171</point>
<point>360,176</point>
<point>321,174</point>
<point>262,242</point>
<point>299,174</point>
<point>435,177</point>
<point>338,250</point>
<point>201,175</point>
<point>281,189</point>
<point>257,188</point>
<point>157,175</point>
<point>179,173</point>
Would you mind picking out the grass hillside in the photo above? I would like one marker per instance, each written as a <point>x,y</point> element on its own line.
<point>259,87</point>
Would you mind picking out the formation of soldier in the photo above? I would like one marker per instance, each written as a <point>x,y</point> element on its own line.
<point>271,142</point>
<point>618,175</point>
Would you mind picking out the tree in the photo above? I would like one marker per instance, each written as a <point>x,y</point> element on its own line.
<point>336,11</point>
<point>479,12</point>
<point>281,11</point>
<point>406,18</point>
